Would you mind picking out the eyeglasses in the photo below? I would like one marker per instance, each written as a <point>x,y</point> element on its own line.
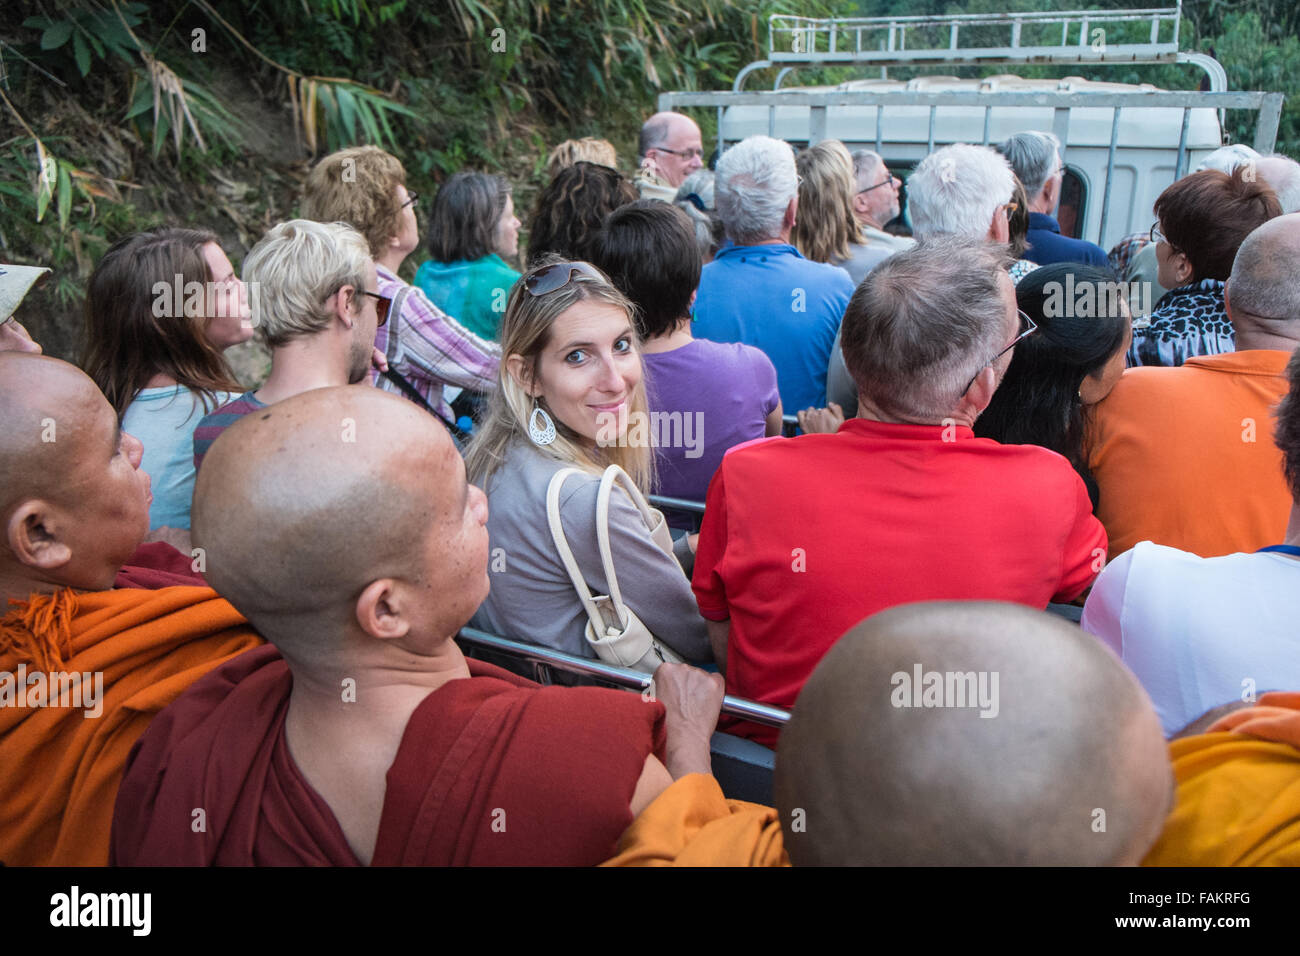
<point>683,153</point>
<point>1027,328</point>
<point>1011,207</point>
<point>557,276</point>
<point>891,181</point>
<point>382,304</point>
<point>412,200</point>
<point>1157,234</point>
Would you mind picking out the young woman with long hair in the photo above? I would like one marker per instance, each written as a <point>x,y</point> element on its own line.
<point>161,308</point>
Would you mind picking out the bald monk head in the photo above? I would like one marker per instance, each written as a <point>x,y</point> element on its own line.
<point>1056,756</point>
<point>338,515</point>
<point>73,500</point>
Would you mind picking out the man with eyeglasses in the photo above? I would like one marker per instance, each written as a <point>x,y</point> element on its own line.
<point>804,537</point>
<point>876,201</point>
<point>669,150</point>
<point>314,342</point>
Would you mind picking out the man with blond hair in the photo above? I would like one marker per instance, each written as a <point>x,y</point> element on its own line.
<point>426,348</point>
<point>315,288</point>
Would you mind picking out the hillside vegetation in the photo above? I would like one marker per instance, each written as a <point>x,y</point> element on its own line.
<point>116,116</point>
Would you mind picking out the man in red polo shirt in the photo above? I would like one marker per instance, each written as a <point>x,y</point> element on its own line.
<point>804,537</point>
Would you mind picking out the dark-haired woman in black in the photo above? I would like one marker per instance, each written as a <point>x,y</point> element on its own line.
<point>1074,360</point>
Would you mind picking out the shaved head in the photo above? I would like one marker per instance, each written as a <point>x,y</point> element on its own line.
<point>301,506</point>
<point>971,733</point>
<point>73,501</point>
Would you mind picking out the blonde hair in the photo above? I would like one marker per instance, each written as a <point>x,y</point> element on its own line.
<point>826,226</point>
<point>295,268</point>
<point>358,186</point>
<point>587,149</point>
<point>526,331</point>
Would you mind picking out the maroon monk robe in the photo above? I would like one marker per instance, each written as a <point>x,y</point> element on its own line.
<point>158,565</point>
<point>491,770</point>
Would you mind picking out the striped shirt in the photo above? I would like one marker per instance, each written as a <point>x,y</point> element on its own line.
<point>217,421</point>
<point>431,349</point>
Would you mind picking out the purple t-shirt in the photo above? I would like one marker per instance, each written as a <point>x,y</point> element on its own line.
<point>705,397</point>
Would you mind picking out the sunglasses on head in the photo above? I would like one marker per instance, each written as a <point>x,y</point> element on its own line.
<point>550,278</point>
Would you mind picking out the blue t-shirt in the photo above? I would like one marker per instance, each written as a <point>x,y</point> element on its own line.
<point>164,420</point>
<point>1047,245</point>
<point>789,308</point>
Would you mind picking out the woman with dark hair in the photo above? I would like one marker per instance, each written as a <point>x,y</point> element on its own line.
<point>571,209</point>
<point>161,307</point>
<point>471,234</point>
<point>1074,360</point>
<point>1201,220</point>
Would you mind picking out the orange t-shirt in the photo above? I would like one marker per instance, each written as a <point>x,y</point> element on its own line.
<point>1185,456</point>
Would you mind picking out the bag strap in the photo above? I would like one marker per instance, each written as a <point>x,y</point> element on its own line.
<point>566,554</point>
<point>401,381</point>
<point>615,473</point>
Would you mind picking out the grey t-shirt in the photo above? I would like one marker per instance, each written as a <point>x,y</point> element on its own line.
<point>532,598</point>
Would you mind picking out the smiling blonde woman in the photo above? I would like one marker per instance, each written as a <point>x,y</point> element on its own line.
<point>571,366</point>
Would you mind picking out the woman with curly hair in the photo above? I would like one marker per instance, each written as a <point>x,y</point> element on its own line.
<point>571,209</point>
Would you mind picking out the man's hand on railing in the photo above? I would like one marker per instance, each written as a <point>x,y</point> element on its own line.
<point>828,419</point>
<point>692,699</point>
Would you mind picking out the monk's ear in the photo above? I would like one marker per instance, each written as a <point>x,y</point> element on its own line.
<point>34,536</point>
<point>521,372</point>
<point>380,611</point>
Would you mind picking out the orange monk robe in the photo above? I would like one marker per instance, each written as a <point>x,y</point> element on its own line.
<point>1238,791</point>
<point>59,769</point>
<point>693,824</point>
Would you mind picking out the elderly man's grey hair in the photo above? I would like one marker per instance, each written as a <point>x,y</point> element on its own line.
<point>1283,174</point>
<point>654,133</point>
<point>1264,281</point>
<point>1033,157</point>
<point>956,190</point>
<point>923,323</point>
<point>755,182</point>
<point>865,161</point>
<point>1226,159</point>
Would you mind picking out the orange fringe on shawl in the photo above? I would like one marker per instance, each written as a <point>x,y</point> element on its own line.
<point>60,767</point>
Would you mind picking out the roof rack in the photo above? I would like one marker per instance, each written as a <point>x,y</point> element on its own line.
<point>884,41</point>
<point>972,39</point>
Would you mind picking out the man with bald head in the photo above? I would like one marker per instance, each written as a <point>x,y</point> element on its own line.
<point>1184,457</point>
<point>941,734</point>
<point>341,523</point>
<point>82,667</point>
<point>669,150</point>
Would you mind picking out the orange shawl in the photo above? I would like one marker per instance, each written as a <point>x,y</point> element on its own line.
<point>693,824</point>
<point>1238,791</point>
<point>61,768</point>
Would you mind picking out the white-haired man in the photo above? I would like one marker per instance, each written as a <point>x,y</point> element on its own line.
<point>1036,158</point>
<point>959,190</point>
<point>759,290</point>
<point>315,287</point>
<point>875,201</point>
<point>804,537</point>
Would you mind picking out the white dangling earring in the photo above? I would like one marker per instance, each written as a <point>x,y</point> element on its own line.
<point>543,433</point>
